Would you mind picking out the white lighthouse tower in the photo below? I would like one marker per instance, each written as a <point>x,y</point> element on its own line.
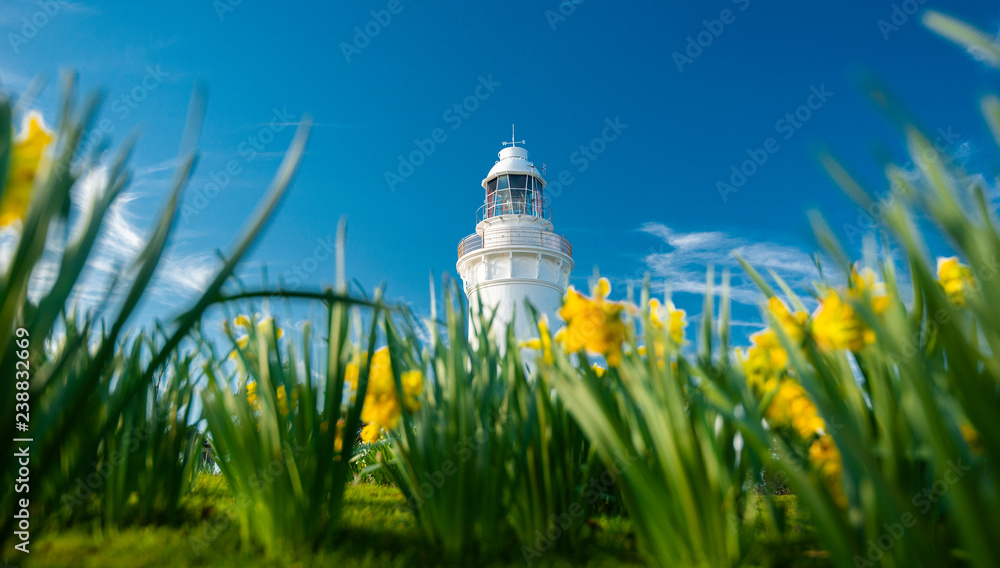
<point>514,256</point>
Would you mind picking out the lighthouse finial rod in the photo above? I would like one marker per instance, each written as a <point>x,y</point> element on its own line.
<point>513,141</point>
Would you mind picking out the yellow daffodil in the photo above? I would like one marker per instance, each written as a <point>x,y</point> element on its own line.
<point>791,408</point>
<point>252,394</point>
<point>541,343</point>
<point>264,327</point>
<point>382,405</point>
<point>282,400</point>
<point>793,324</point>
<point>594,324</point>
<point>655,317</point>
<point>598,370</point>
<point>825,456</point>
<point>353,372</point>
<point>534,343</point>
<point>672,318</point>
<point>413,387</point>
<point>254,398</point>
<point>836,325</point>
<point>678,321</point>
<point>863,284</point>
<point>765,362</point>
<point>371,432</point>
<point>26,164</point>
<point>955,278</point>
<point>338,436</point>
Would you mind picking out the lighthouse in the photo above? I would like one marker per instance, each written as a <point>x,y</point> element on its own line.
<point>514,256</point>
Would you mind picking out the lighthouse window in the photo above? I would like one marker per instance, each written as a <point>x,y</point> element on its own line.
<point>517,197</point>
<point>492,184</point>
<point>502,181</point>
<point>518,181</point>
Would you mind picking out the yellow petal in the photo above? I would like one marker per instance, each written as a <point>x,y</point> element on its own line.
<point>602,289</point>
<point>534,343</point>
<point>24,167</point>
<point>370,433</point>
<point>677,324</point>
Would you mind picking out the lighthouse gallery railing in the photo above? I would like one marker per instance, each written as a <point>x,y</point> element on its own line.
<point>510,236</point>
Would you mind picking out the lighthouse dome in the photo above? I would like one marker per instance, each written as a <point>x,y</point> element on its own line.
<point>513,159</point>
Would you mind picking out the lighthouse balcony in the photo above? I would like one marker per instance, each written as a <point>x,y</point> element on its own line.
<point>514,207</point>
<point>514,237</point>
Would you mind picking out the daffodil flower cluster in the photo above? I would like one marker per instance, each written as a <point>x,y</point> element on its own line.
<point>825,456</point>
<point>264,326</point>
<point>383,405</point>
<point>254,399</point>
<point>595,324</point>
<point>834,325</point>
<point>955,279</point>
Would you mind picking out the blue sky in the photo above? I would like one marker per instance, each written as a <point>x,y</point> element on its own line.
<point>650,201</point>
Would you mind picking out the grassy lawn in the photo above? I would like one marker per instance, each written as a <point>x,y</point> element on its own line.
<point>379,532</point>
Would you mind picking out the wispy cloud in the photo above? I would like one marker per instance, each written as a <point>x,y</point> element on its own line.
<point>122,241</point>
<point>119,245</point>
<point>159,167</point>
<point>680,263</point>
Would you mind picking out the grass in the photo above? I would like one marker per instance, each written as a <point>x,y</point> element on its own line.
<point>377,530</point>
